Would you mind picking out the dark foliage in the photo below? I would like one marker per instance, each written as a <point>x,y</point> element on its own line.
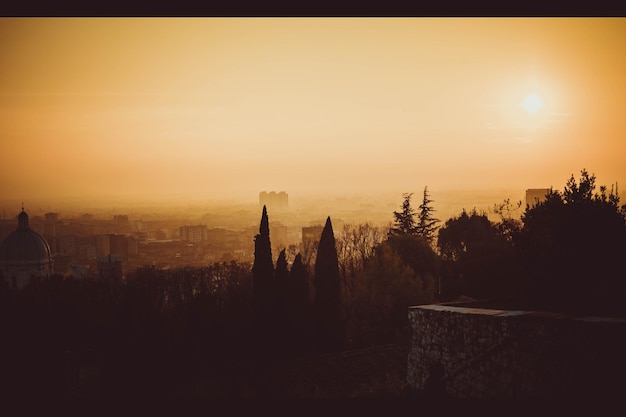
<point>328,318</point>
<point>427,223</point>
<point>416,252</point>
<point>571,245</point>
<point>144,337</point>
<point>264,286</point>
<point>477,259</point>
<point>404,221</point>
<point>298,310</point>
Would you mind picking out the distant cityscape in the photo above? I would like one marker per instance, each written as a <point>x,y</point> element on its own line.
<point>85,246</point>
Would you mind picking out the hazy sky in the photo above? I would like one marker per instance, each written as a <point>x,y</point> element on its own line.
<point>228,107</point>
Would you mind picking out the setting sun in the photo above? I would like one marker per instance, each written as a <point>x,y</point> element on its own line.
<point>228,107</point>
<point>532,103</point>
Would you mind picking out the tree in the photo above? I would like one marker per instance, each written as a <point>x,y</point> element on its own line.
<point>404,221</point>
<point>281,314</point>
<point>478,259</point>
<point>569,245</point>
<point>263,285</point>
<point>282,280</point>
<point>299,307</point>
<point>355,244</point>
<point>386,287</point>
<point>508,225</point>
<point>328,317</point>
<point>299,282</point>
<point>427,224</point>
<point>416,253</point>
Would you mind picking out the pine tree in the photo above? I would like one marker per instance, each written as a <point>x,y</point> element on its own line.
<point>427,224</point>
<point>327,305</point>
<point>405,219</point>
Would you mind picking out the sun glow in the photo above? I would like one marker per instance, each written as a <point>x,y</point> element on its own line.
<point>532,103</point>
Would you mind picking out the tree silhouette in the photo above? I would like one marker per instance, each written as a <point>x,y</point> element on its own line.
<point>404,221</point>
<point>281,317</point>
<point>385,289</point>
<point>298,309</point>
<point>328,318</point>
<point>570,244</point>
<point>478,260</point>
<point>263,285</point>
<point>299,282</point>
<point>427,224</point>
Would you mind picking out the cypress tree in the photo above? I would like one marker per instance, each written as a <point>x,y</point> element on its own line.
<point>327,306</point>
<point>299,307</point>
<point>281,315</point>
<point>299,281</point>
<point>281,274</point>
<point>263,290</point>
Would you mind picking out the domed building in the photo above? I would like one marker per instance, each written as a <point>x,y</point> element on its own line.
<point>24,255</point>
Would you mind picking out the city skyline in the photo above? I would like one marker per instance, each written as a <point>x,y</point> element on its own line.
<point>228,107</point>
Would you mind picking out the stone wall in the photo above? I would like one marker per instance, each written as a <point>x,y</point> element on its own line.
<point>466,352</point>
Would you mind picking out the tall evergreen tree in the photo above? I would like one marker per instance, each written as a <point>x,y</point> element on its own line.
<point>328,319</point>
<point>404,221</point>
<point>427,224</point>
<point>569,244</point>
<point>281,318</point>
<point>299,325</point>
<point>299,284</point>
<point>263,290</point>
<point>281,276</point>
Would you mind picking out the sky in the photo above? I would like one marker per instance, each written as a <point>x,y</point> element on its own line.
<point>229,107</point>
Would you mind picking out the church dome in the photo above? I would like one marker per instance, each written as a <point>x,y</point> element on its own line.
<point>24,251</point>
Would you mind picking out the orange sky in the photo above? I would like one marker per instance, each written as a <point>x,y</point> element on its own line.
<point>228,107</point>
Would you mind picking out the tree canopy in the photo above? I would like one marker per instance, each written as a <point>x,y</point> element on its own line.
<point>427,223</point>
<point>478,259</point>
<point>328,315</point>
<point>571,243</point>
<point>263,285</point>
<point>404,221</point>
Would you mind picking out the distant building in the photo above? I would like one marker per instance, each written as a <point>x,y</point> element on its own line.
<point>120,218</point>
<point>312,233</point>
<point>216,234</point>
<point>278,234</point>
<point>273,199</point>
<point>197,233</point>
<point>535,196</point>
<point>118,245</point>
<point>24,255</point>
<point>103,247</point>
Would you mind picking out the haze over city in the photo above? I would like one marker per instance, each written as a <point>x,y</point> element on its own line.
<point>236,208</point>
<point>222,108</point>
